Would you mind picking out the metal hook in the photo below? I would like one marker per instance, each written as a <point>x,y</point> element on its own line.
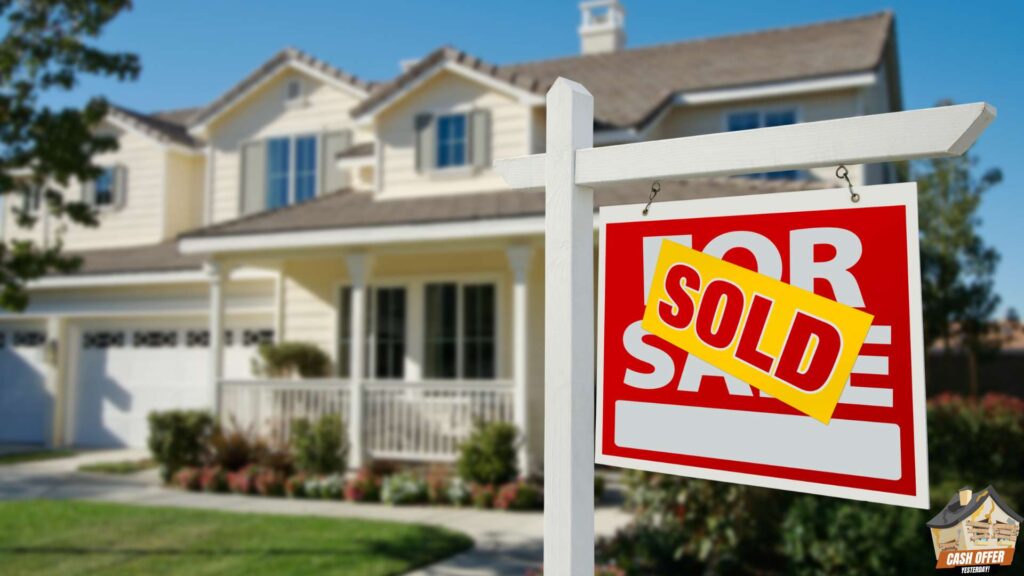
<point>843,174</point>
<point>655,188</point>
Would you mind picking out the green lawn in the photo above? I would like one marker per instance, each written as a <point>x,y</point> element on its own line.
<point>35,456</point>
<point>120,467</point>
<point>62,538</point>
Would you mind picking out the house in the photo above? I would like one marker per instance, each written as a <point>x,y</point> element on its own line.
<point>971,521</point>
<point>306,204</point>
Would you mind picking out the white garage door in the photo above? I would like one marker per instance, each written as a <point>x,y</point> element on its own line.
<point>25,404</point>
<point>126,373</point>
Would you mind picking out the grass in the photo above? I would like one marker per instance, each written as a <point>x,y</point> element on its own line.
<point>67,538</point>
<point>35,456</point>
<point>119,468</point>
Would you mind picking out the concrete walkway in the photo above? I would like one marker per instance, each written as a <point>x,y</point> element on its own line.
<point>506,542</point>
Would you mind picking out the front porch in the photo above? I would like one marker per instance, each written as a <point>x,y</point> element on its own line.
<point>452,336</point>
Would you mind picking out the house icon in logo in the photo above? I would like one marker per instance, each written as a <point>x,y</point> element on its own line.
<point>975,530</point>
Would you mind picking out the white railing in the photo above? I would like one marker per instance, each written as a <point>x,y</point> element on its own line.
<point>428,420</point>
<point>401,420</point>
<point>268,407</point>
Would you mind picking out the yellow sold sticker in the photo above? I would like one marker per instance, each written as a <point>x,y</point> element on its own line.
<point>790,343</point>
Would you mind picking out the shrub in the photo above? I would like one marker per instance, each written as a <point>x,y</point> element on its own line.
<point>279,460</point>
<point>233,449</point>
<point>286,359</point>
<point>213,479</point>
<point>319,447</point>
<point>364,487</point>
<point>482,495</point>
<point>187,479</point>
<point>438,481</point>
<point>177,439</point>
<point>519,496</point>
<point>403,489</point>
<point>244,480</point>
<point>295,486</point>
<point>488,456</point>
<point>330,487</point>
<point>458,492</point>
<point>269,482</point>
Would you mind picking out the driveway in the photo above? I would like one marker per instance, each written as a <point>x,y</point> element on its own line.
<point>507,543</point>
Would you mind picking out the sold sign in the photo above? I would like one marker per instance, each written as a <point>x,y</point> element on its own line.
<point>792,344</point>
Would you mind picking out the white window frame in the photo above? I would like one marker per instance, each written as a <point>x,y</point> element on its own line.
<point>466,165</point>
<point>292,161</point>
<point>112,206</point>
<point>415,329</point>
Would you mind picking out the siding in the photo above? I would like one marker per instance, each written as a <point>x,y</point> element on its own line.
<point>707,119</point>
<point>448,92</point>
<point>184,201</point>
<point>264,115</point>
<point>310,301</point>
<point>139,222</point>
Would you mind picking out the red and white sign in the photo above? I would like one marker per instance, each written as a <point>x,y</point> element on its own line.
<point>663,410</point>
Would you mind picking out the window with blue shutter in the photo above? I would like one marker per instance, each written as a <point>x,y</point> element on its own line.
<point>305,168</point>
<point>451,141</point>
<point>278,161</point>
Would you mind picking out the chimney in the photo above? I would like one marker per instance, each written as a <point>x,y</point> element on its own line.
<point>965,496</point>
<point>603,26</point>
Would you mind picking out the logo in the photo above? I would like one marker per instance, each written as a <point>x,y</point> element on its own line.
<point>975,532</point>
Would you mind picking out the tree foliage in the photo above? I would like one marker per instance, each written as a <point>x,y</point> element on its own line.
<point>957,267</point>
<point>48,45</point>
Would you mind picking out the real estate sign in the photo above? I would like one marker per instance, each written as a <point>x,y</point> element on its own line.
<point>772,340</point>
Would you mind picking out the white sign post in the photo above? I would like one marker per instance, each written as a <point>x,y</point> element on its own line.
<point>570,170</point>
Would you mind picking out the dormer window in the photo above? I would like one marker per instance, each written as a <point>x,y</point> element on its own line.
<point>294,94</point>
<point>451,141</point>
<point>109,190</point>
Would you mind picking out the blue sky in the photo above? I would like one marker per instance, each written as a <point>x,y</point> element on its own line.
<point>192,50</point>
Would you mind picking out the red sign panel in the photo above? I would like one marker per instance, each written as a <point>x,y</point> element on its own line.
<point>662,409</point>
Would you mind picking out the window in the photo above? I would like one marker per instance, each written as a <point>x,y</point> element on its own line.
<point>278,156</point>
<point>451,141</point>
<point>293,91</point>
<point>460,338</point>
<point>748,120</point>
<point>305,168</point>
<point>441,338</point>
<point>388,332</point>
<point>291,170</point>
<point>103,193</point>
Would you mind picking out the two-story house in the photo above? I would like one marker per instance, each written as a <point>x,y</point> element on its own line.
<point>305,204</point>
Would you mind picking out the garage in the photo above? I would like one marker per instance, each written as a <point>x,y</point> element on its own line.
<point>125,372</point>
<point>25,403</point>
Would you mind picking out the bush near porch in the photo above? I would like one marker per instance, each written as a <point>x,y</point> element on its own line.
<point>217,459</point>
<point>694,526</point>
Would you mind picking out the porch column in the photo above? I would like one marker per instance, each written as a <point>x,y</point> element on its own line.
<point>216,273</point>
<point>358,267</point>
<point>519,257</point>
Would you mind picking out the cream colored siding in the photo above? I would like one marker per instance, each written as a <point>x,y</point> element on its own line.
<point>449,93</point>
<point>265,114</point>
<point>694,120</point>
<point>139,221</point>
<point>183,204</point>
<point>310,301</point>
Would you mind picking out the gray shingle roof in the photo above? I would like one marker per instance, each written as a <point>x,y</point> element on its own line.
<point>348,209</point>
<point>630,86</point>
<point>165,127</point>
<point>954,513</point>
<point>163,257</point>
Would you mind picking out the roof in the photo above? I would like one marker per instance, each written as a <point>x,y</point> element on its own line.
<point>282,58</point>
<point>163,257</point>
<point>953,513</point>
<point>349,209</point>
<point>168,127</point>
<point>631,86</point>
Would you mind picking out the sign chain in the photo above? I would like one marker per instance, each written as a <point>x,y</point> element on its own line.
<point>843,174</point>
<point>655,188</point>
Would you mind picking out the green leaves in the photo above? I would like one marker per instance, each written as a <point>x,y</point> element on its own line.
<point>47,46</point>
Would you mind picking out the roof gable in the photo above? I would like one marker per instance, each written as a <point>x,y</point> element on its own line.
<point>162,127</point>
<point>289,58</point>
<point>629,86</point>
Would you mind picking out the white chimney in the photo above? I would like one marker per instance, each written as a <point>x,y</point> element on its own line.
<point>603,27</point>
<point>965,496</point>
